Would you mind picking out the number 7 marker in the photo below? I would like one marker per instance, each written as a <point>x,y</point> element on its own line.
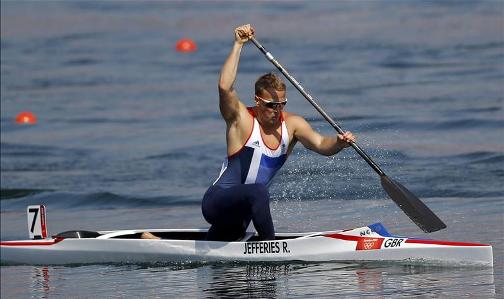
<point>37,222</point>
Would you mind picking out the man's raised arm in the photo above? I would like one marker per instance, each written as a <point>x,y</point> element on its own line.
<point>229,102</point>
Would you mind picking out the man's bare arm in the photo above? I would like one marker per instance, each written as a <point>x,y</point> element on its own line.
<point>324,145</point>
<point>229,102</point>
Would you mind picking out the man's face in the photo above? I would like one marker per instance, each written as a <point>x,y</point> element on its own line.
<point>270,115</point>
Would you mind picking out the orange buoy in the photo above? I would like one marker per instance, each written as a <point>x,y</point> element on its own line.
<point>26,117</point>
<point>186,45</point>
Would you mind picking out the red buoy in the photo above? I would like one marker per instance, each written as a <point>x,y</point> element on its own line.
<point>26,117</point>
<point>186,45</point>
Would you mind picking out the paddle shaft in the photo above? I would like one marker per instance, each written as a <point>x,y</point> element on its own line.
<point>412,206</point>
<point>315,105</point>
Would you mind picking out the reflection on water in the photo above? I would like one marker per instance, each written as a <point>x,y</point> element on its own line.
<point>369,281</point>
<point>40,282</point>
<point>256,280</point>
<point>252,280</point>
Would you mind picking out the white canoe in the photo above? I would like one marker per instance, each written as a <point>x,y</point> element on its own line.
<point>370,243</point>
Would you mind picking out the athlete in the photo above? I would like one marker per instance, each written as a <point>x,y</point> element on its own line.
<point>259,139</point>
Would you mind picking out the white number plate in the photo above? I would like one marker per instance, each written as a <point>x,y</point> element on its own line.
<point>37,222</point>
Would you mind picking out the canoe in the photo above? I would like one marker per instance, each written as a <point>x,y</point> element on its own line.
<point>369,243</point>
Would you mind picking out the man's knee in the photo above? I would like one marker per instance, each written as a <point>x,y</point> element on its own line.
<point>228,233</point>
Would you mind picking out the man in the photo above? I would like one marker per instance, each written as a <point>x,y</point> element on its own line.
<point>259,139</point>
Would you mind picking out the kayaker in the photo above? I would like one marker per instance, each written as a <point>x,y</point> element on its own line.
<point>259,139</point>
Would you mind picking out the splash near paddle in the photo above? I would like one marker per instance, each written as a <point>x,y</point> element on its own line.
<point>411,205</point>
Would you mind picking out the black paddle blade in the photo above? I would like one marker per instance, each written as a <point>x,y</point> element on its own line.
<point>412,206</point>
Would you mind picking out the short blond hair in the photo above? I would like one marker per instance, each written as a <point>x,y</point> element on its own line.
<point>269,81</point>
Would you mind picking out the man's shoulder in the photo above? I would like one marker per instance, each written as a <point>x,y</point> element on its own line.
<point>294,121</point>
<point>292,117</point>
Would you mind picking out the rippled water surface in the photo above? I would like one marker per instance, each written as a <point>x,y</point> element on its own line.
<point>129,135</point>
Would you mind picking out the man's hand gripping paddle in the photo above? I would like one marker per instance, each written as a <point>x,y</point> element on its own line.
<point>412,206</point>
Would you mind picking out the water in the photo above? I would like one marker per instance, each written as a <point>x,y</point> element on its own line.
<point>129,135</point>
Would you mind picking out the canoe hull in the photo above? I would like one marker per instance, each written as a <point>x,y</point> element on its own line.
<point>342,246</point>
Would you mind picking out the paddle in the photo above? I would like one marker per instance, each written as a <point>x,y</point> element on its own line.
<point>412,206</point>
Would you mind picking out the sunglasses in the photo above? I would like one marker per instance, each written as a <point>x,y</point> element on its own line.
<point>272,104</point>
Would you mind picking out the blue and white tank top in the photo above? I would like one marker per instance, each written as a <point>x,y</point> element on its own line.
<point>255,162</point>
